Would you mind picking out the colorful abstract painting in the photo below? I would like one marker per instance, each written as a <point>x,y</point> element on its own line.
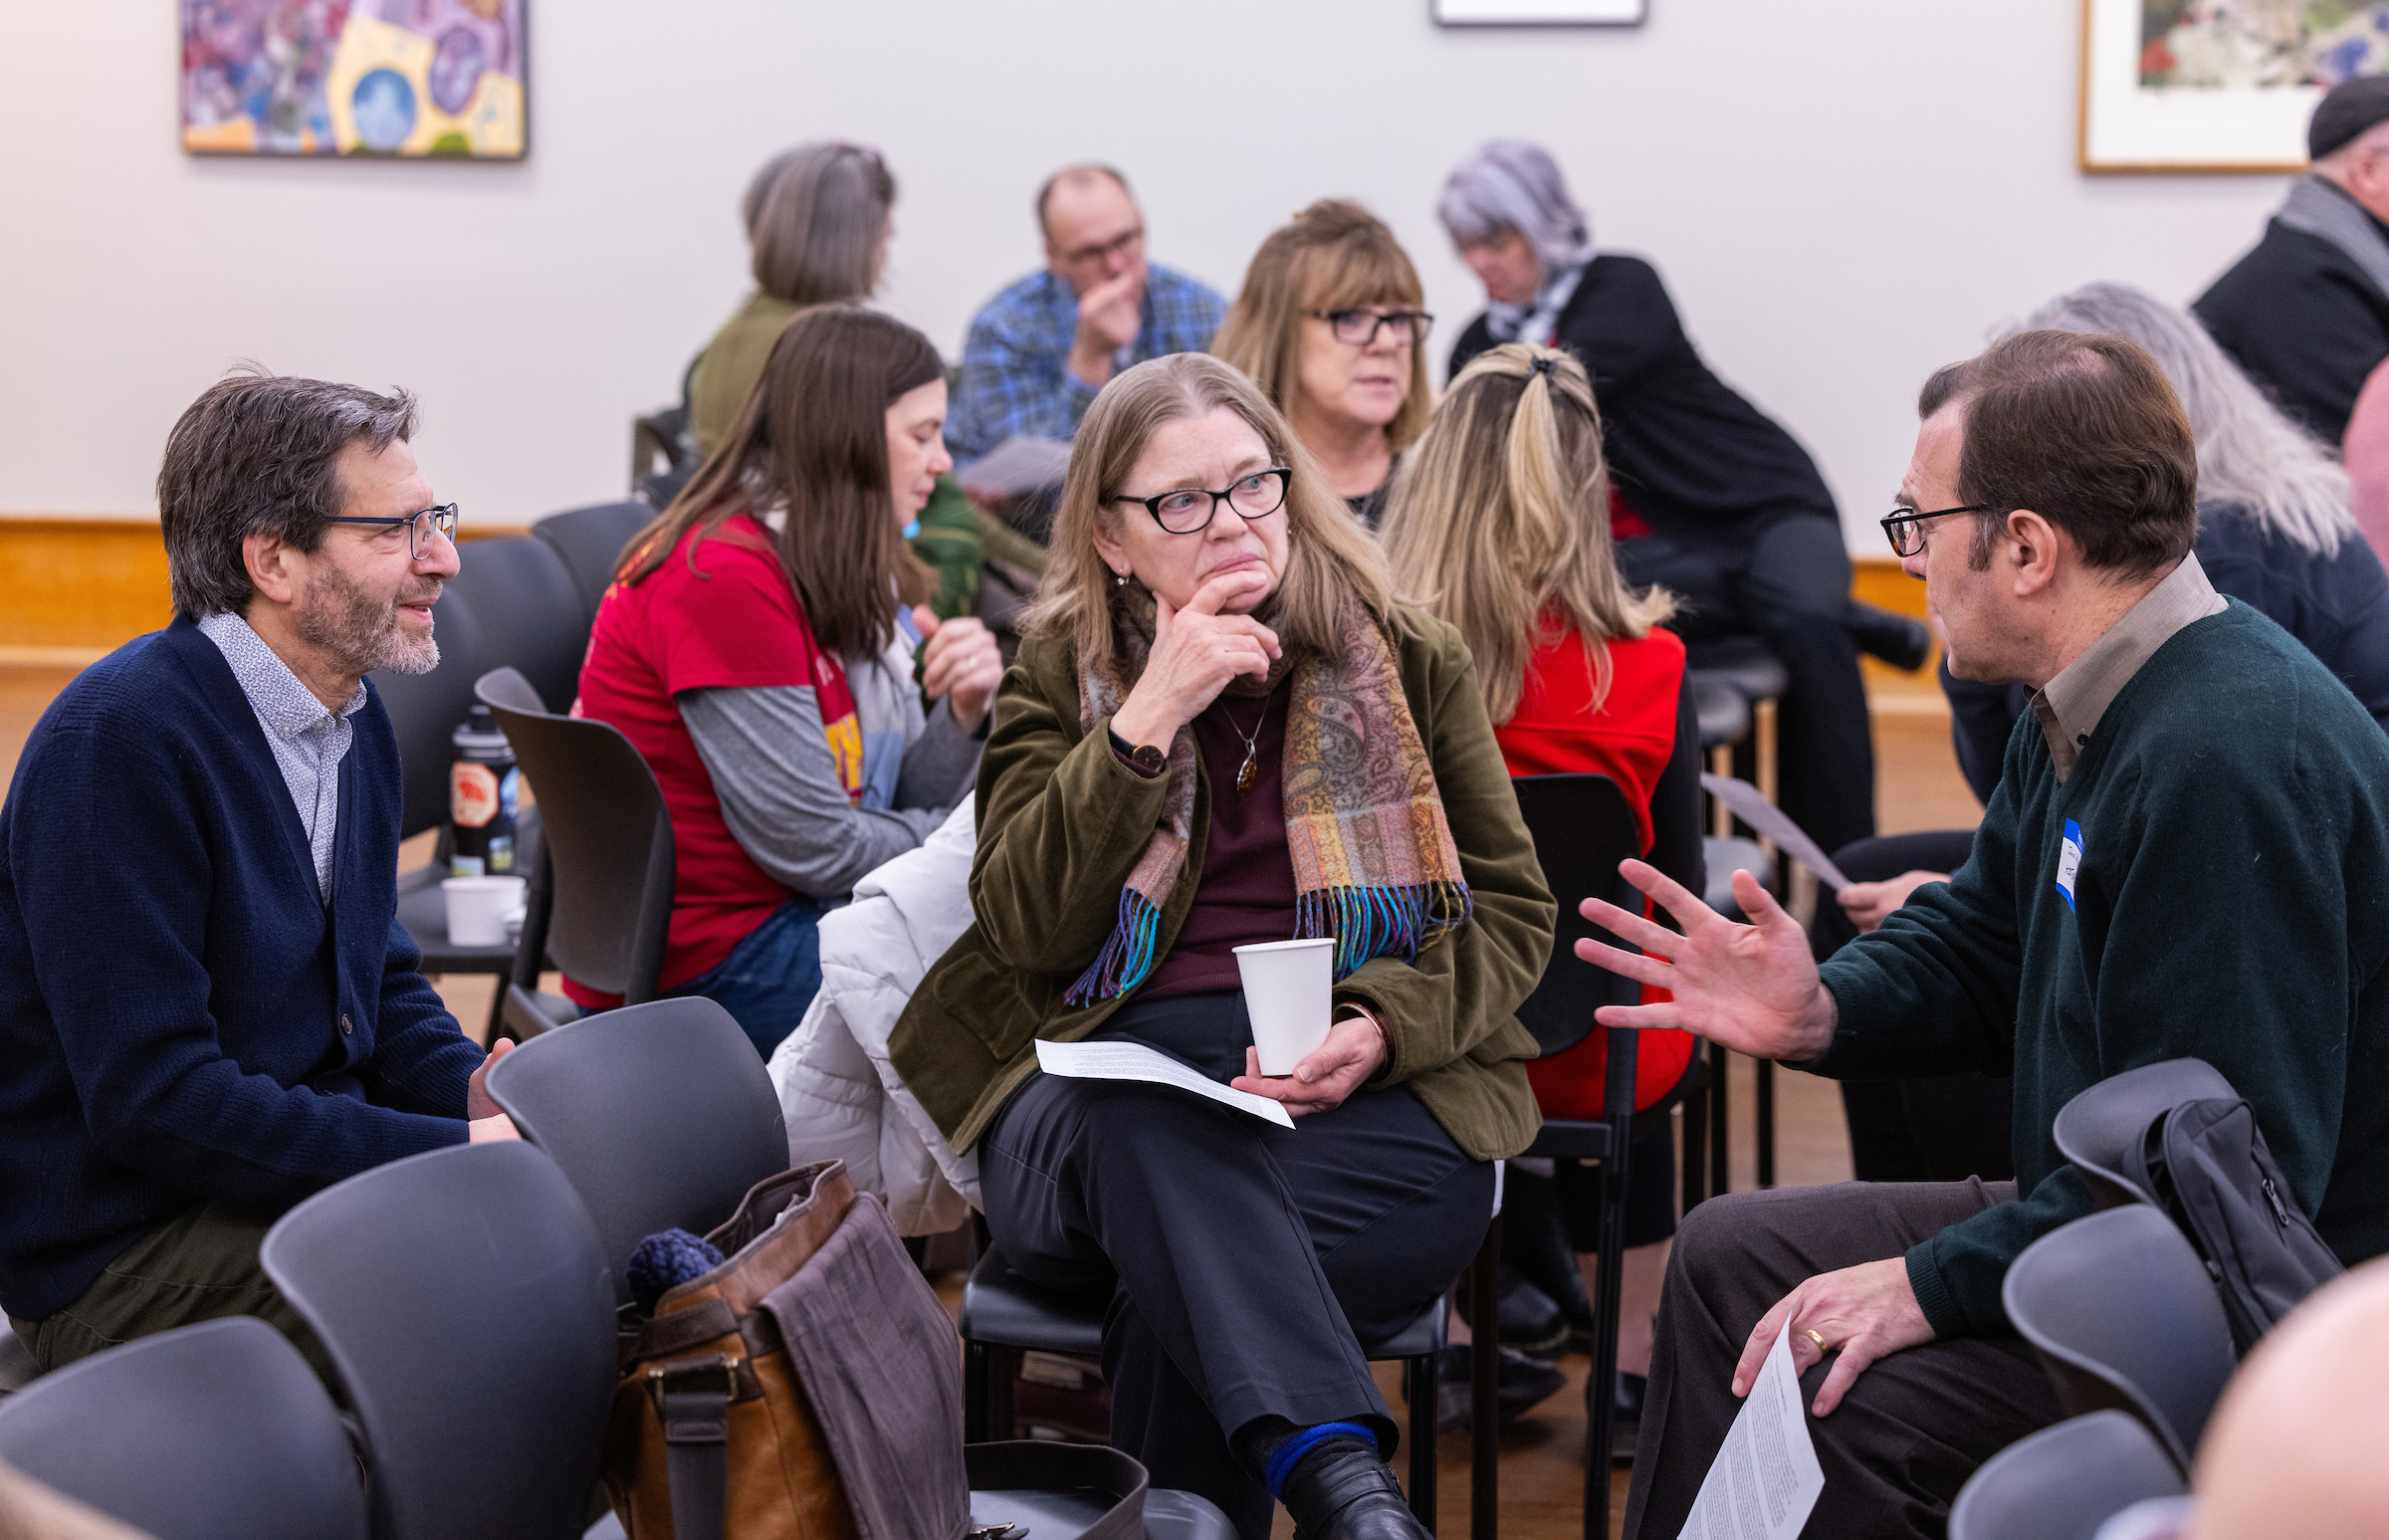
<point>2216,85</point>
<point>396,77</point>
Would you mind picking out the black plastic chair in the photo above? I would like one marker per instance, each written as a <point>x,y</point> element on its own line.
<point>600,899</point>
<point>213,1432</point>
<point>529,605</point>
<point>660,1115</point>
<point>2123,1316</point>
<point>1004,1314</point>
<point>2095,1129</point>
<point>463,1299</point>
<point>590,541</point>
<point>2064,1482</point>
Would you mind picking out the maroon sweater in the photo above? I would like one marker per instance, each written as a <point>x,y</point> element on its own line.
<point>1245,890</point>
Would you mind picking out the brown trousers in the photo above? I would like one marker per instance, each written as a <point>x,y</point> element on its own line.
<point>1911,1430</point>
<point>197,1267</point>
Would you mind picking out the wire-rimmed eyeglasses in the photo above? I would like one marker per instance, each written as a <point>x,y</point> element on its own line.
<point>1359,328</point>
<point>419,525</point>
<point>1902,528</point>
<point>1191,510</point>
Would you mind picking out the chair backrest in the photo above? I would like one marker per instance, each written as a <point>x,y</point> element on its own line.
<point>660,1116</point>
<point>606,843</point>
<point>1583,827</point>
<point>213,1432</point>
<point>590,541</point>
<point>2124,1317</point>
<point>531,612</point>
<point>425,708</point>
<point>2095,1129</point>
<point>462,1296</point>
<point>2064,1482</point>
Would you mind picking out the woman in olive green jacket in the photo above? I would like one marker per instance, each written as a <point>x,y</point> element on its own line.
<point>1223,730</point>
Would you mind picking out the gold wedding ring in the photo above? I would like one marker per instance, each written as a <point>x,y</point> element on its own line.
<point>1818,1338</point>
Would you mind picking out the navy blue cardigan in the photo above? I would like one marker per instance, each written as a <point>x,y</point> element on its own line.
<point>181,1019</point>
<point>2339,605</point>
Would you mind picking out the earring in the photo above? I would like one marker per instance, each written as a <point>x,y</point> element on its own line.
<point>1120,580</point>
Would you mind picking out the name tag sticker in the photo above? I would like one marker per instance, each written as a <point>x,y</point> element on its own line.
<point>2069,862</point>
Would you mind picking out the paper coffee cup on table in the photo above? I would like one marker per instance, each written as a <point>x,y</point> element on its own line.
<point>478,908</point>
<point>1287,992</point>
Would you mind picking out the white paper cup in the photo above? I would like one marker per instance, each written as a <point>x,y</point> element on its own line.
<point>478,908</point>
<point>1287,991</point>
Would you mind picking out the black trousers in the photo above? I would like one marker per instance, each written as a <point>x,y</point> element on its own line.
<point>1787,581</point>
<point>1911,1430</point>
<point>1247,1265</point>
<point>1943,1127</point>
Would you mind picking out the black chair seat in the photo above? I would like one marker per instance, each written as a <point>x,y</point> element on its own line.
<point>1721,711</point>
<point>1002,1307</point>
<point>423,910</point>
<point>1742,662</point>
<point>1727,856</point>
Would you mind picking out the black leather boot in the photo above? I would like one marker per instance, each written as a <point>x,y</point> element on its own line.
<point>1343,1491</point>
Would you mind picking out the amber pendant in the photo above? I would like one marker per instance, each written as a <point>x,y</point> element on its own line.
<point>1246,774</point>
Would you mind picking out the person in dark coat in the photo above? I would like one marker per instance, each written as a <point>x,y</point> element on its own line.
<point>2307,310</point>
<point>2275,533</point>
<point>1712,499</point>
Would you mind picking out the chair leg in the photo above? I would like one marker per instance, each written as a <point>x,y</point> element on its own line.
<point>1601,1382</point>
<point>1003,1365</point>
<point>974,1393</point>
<point>497,1014</point>
<point>1695,1119</point>
<point>1721,1175</point>
<point>1763,1105</point>
<point>1484,1387</point>
<point>1420,1372</point>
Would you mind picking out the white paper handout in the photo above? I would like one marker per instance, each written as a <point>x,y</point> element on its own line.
<point>1135,1061</point>
<point>1750,805</point>
<point>1765,1478</point>
<point>1018,464</point>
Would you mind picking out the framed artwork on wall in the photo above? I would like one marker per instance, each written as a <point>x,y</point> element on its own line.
<point>2216,85</point>
<point>1539,12</point>
<point>392,79</point>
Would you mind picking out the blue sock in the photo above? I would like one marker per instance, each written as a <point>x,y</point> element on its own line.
<point>1282,1459</point>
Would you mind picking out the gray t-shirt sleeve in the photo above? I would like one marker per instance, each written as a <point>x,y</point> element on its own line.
<point>779,792</point>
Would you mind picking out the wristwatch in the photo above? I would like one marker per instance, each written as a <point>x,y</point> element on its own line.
<point>1148,760</point>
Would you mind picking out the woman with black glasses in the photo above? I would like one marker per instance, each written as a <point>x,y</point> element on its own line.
<point>1330,325</point>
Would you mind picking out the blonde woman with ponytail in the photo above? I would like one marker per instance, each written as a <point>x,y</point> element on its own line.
<point>1499,523</point>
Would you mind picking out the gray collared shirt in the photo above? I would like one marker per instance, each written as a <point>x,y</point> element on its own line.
<point>309,742</point>
<point>2071,705</point>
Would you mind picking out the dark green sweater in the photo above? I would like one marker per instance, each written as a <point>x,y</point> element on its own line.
<point>2231,904</point>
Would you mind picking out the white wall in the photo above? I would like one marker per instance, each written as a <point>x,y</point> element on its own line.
<point>1841,196</point>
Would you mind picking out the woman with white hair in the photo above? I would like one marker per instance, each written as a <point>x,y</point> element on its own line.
<point>2274,531</point>
<point>1712,499</point>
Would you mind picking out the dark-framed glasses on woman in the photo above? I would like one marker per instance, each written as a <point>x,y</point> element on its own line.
<point>1189,510</point>
<point>1905,527</point>
<point>1359,328</point>
<point>419,527</point>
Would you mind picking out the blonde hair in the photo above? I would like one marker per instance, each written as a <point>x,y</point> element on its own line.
<point>1330,561</point>
<point>1499,521</point>
<point>1334,255</point>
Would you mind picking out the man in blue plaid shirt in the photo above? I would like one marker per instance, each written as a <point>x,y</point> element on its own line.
<point>1040,349</point>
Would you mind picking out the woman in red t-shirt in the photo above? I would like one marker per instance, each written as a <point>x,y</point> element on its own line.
<point>1499,521</point>
<point>757,647</point>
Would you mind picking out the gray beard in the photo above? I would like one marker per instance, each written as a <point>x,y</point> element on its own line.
<point>359,630</point>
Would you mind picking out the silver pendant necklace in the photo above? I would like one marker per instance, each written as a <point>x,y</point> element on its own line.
<point>1248,772</point>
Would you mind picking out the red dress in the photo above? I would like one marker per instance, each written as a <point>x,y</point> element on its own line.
<point>1630,738</point>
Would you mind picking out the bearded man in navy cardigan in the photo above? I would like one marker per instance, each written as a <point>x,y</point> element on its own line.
<point>208,1010</point>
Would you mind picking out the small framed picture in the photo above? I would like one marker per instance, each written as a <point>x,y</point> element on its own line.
<point>1539,12</point>
<point>2216,85</point>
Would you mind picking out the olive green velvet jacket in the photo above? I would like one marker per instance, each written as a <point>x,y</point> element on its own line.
<point>1061,821</point>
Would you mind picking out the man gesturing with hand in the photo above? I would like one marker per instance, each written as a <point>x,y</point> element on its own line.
<point>2179,860</point>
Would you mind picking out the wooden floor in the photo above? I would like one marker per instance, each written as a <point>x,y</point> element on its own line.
<point>1918,787</point>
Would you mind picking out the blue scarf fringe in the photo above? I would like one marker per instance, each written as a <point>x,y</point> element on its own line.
<point>1126,958</point>
<point>1365,922</point>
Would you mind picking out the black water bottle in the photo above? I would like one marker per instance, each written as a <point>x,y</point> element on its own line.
<point>481,785</point>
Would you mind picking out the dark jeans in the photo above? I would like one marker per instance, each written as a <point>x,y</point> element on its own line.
<point>770,977</point>
<point>1913,1426</point>
<point>1944,1128</point>
<point>1787,582</point>
<point>1247,1265</point>
<point>199,1265</point>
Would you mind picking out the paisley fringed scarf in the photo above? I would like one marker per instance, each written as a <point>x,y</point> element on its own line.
<point>1375,866</point>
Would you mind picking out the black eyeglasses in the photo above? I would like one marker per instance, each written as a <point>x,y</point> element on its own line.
<point>1901,529</point>
<point>1357,328</point>
<point>418,527</point>
<point>1191,510</point>
<point>1118,246</point>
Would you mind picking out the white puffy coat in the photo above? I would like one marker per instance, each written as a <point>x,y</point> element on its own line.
<point>842,1097</point>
